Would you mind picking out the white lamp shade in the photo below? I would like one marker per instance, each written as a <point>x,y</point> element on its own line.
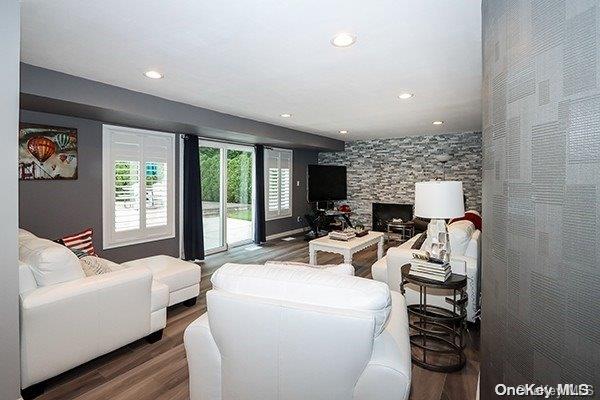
<point>439,199</point>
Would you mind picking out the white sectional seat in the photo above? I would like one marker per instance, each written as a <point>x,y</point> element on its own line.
<point>278,332</point>
<point>68,318</point>
<point>465,246</point>
<point>181,277</point>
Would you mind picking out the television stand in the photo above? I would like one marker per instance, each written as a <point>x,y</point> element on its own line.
<point>321,222</point>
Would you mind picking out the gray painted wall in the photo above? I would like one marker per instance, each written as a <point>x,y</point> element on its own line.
<point>52,209</point>
<point>385,170</point>
<point>300,205</point>
<point>54,92</point>
<point>9,279</point>
<point>541,215</point>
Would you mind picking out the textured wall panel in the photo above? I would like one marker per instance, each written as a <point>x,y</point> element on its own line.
<point>544,92</point>
<point>513,151</point>
<point>548,18</point>
<point>499,106</point>
<point>548,162</point>
<point>541,204</point>
<point>521,82</point>
<point>582,131</point>
<point>385,170</point>
<point>579,222</point>
<point>580,56</point>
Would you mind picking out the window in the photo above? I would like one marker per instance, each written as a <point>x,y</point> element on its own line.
<point>138,178</point>
<point>278,183</point>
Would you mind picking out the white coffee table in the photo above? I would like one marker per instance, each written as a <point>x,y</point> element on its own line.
<point>346,249</point>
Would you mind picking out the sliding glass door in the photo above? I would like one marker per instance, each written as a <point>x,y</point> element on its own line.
<point>227,173</point>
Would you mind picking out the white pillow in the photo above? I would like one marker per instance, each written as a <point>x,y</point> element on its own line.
<point>93,265</point>
<point>50,262</point>
<point>460,236</point>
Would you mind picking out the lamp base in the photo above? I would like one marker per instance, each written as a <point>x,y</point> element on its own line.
<point>437,231</point>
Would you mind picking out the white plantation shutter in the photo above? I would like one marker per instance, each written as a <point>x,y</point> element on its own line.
<point>126,175</point>
<point>278,183</point>
<point>138,186</point>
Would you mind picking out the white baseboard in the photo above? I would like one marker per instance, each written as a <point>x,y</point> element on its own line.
<point>287,233</point>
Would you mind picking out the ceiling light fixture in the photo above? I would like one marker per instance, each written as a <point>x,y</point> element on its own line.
<point>343,40</point>
<point>153,74</point>
<point>405,96</point>
<point>343,131</point>
<point>285,115</point>
<point>437,122</point>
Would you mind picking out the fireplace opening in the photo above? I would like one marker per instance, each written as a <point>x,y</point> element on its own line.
<point>386,212</point>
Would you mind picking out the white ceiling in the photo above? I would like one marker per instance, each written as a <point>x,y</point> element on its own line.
<point>261,58</point>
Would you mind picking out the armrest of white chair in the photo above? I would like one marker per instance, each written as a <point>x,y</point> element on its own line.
<point>204,360</point>
<point>396,258</point>
<point>66,324</point>
<point>387,375</point>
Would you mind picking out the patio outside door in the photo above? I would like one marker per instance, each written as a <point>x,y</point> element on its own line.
<point>227,173</point>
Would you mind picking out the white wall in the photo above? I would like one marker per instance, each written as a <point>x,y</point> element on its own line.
<point>9,120</point>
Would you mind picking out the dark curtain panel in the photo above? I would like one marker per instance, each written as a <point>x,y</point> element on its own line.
<point>259,220</point>
<point>193,237</point>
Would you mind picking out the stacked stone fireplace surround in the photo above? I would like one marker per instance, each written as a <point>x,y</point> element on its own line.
<point>385,170</point>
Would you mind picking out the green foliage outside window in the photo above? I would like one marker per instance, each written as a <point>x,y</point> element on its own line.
<point>239,171</point>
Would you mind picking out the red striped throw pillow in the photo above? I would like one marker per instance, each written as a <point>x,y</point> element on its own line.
<point>81,241</point>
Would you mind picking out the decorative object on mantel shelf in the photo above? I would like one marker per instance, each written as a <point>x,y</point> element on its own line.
<point>439,200</point>
<point>47,152</point>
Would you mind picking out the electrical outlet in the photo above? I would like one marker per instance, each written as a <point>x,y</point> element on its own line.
<point>298,183</point>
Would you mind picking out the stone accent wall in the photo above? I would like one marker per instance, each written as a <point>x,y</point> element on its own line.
<point>385,170</point>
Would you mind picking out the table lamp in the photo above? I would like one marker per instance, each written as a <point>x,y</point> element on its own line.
<point>439,200</point>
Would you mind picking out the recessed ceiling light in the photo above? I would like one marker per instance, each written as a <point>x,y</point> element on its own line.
<point>285,115</point>
<point>405,96</point>
<point>343,131</point>
<point>437,122</point>
<point>153,74</point>
<point>343,40</point>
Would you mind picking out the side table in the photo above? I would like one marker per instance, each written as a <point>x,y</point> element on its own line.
<point>437,333</point>
<point>401,230</point>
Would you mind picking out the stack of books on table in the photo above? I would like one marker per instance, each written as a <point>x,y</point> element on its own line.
<point>430,270</point>
<point>342,235</point>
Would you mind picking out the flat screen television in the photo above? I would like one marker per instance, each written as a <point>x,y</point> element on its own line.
<point>326,183</point>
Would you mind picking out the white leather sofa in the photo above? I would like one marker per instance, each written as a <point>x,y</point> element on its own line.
<point>465,246</point>
<point>296,333</point>
<point>68,319</point>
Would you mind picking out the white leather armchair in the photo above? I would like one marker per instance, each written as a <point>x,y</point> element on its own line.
<point>68,323</point>
<point>465,244</point>
<point>281,333</point>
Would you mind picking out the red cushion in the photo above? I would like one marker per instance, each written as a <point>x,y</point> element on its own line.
<point>472,216</point>
<point>81,241</point>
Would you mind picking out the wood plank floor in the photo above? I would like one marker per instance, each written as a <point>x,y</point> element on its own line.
<point>143,371</point>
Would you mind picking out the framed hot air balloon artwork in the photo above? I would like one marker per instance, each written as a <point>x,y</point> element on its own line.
<point>47,152</point>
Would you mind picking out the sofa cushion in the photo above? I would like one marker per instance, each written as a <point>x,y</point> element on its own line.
<point>344,269</point>
<point>24,234</point>
<point>50,262</point>
<point>306,286</point>
<point>460,236</point>
<point>177,274</point>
